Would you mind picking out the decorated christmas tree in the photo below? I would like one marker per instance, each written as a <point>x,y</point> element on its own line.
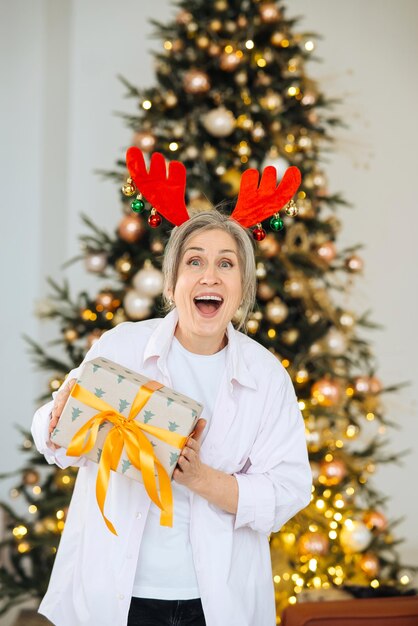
<point>232,92</point>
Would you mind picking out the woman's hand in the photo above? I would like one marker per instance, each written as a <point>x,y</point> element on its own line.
<point>59,402</point>
<point>190,471</point>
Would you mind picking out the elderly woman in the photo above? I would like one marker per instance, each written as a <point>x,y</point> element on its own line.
<point>241,477</point>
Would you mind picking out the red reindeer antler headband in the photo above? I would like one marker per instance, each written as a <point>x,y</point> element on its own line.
<point>257,199</point>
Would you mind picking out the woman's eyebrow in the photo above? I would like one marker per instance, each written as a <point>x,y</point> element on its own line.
<point>203,250</point>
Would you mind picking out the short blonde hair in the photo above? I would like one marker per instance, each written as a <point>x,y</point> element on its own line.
<point>201,222</point>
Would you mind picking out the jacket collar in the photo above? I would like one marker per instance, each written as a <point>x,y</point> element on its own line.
<point>159,343</point>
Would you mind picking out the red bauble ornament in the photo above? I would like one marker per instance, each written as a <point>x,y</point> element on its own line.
<point>259,233</point>
<point>154,220</point>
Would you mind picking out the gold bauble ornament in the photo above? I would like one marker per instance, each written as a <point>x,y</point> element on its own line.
<point>294,287</point>
<point>124,264</point>
<point>229,61</point>
<point>184,17</point>
<point>55,383</point>
<point>221,5</point>
<point>269,246</point>
<point>332,472</point>
<point>203,42</point>
<point>306,209</point>
<point>242,21</point>
<point>191,152</point>
<point>265,291</point>
<point>375,385</point>
<point>369,564</point>
<point>253,326</point>
<point>157,246</point>
<point>347,319</point>
<point>272,101</point>
<point>375,520</point>
<point>327,251</point>
<point>314,440</point>
<point>209,152</point>
<point>178,45</point>
<point>241,78</point>
<point>70,335</point>
<point>131,228</point>
<point>269,12</point>
<point>232,178</point>
<point>196,82</point>
<point>326,392</point>
<point>105,300</point>
<point>313,543</point>
<point>367,384</point>
<point>290,336</point>
<point>119,317</point>
<point>214,50</point>
<point>277,38</point>
<point>145,140</point>
<point>215,25</point>
<point>277,311</point>
<point>129,189</point>
<point>354,263</point>
<point>258,132</point>
<point>261,271</point>
<point>170,99</point>
<point>354,536</point>
<point>302,376</point>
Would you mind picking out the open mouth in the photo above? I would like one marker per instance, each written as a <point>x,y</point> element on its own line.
<point>208,305</point>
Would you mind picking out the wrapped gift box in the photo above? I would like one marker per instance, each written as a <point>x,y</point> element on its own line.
<point>118,386</point>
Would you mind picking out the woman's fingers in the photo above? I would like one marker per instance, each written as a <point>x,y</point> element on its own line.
<point>59,403</point>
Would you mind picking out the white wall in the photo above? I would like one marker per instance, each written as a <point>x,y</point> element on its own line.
<point>59,61</point>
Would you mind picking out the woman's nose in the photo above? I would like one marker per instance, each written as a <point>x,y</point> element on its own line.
<point>210,275</point>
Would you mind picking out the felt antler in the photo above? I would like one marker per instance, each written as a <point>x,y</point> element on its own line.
<point>164,192</point>
<point>258,202</point>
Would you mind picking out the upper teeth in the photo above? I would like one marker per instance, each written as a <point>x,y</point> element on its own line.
<point>209,298</point>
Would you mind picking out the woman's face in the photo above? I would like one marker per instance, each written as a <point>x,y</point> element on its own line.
<point>208,290</point>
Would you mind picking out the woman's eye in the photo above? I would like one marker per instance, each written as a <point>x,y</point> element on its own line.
<point>194,262</point>
<point>226,264</point>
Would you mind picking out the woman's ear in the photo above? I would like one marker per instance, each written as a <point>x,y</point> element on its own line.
<point>168,293</point>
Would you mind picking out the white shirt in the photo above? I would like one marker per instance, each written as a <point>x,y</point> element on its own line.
<point>256,426</point>
<point>165,567</point>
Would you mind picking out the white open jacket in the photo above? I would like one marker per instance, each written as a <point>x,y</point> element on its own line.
<point>256,427</point>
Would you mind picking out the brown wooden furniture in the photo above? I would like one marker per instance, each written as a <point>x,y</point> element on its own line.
<point>393,611</point>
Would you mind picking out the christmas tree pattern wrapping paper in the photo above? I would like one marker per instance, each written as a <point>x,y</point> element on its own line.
<point>118,387</point>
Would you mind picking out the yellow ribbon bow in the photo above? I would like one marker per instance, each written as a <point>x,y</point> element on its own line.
<point>129,433</point>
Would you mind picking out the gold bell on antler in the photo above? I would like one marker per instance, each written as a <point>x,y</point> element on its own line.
<point>129,189</point>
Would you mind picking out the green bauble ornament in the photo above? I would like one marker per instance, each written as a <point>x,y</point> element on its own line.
<point>276,223</point>
<point>137,205</point>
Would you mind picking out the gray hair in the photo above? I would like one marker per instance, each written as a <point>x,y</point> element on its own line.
<point>201,222</point>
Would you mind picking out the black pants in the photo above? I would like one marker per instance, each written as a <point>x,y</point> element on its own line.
<point>149,612</point>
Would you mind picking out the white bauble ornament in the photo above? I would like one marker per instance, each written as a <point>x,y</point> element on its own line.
<point>355,536</point>
<point>219,122</point>
<point>335,341</point>
<point>278,162</point>
<point>95,262</point>
<point>137,306</point>
<point>148,281</point>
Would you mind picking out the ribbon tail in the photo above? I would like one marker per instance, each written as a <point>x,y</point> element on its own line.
<point>103,474</point>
